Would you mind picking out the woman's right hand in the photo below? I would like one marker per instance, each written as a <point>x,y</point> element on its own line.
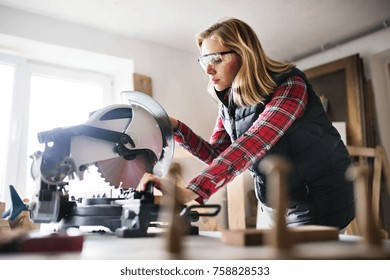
<point>174,123</point>
<point>167,187</point>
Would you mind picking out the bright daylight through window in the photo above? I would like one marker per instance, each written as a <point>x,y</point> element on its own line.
<point>56,102</point>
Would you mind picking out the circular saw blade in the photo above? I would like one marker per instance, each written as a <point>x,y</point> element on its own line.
<point>122,173</point>
<point>127,172</point>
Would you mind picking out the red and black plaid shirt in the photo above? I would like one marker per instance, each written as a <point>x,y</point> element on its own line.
<point>226,159</point>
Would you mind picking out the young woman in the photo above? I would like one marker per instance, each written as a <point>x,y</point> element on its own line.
<point>266,107</point>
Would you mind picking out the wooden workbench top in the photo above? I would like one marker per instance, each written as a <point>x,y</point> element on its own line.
<point>207,245</point>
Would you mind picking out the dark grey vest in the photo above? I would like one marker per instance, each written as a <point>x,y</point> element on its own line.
<point>312,145</point>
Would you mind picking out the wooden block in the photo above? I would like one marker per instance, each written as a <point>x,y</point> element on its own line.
<point>312,233</point>
<point>53,242</point>
<point>24,222</point>
<point>18,241</point>
<point>143,84</point>
<point>4,226</point>
<point>244,237</point>
<point>2,208</point>
<point>301,234</point>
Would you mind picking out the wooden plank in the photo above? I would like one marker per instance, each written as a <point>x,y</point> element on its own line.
<point>350,69</point>
<point>376,186</point>
<point>244,237</point>
<point>4,225</point>
<point>301,234</point>
<point>2,208</point>
<point>236,204</point>
<point>386,167</point>
<point>386,191</point>
<point>142,84</point>
<point>361,151</point>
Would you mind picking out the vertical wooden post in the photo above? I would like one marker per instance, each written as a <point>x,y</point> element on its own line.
<point>366,221</point>
<point>276,169</point>
<point>236,203</point>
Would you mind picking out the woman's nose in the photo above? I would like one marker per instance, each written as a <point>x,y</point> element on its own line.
<point>210,69</point>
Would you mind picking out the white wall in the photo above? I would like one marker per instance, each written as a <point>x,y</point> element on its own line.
<point>178,82</point>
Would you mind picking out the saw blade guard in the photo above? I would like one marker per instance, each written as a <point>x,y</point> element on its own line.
<point>152,143</point>
<point>140,100</point>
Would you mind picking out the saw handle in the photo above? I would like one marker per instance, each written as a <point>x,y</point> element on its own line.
<point>214,209</point>
<point>147,194</point>
<point>149,187</point>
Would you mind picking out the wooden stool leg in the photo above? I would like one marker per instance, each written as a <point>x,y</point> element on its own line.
<point>176,228</point>
<point>367,223</point>
<point>276,169</point>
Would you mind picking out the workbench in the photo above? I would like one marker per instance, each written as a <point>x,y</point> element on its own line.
<point>205,246</point>
<point>105,256</point>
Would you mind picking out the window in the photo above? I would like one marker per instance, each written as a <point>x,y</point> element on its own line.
<point>51,97</point>
<point>56,102</point>
<point>7,73</point>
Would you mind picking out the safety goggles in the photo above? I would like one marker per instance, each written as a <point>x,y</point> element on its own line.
<point>215,59</point>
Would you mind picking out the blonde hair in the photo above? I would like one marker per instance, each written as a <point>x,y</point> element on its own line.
<point>253,82</point>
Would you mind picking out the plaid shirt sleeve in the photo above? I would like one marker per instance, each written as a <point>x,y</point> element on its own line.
<point>227,161</point>
<point>198,147</point>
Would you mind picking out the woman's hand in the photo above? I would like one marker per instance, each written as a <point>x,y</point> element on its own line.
<point>167,187</point>
<point>174,123</point>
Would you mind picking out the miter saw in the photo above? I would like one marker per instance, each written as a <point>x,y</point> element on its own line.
<point>123,141</point>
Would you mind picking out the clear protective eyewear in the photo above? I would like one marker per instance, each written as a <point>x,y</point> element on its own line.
<point>214,59</point>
